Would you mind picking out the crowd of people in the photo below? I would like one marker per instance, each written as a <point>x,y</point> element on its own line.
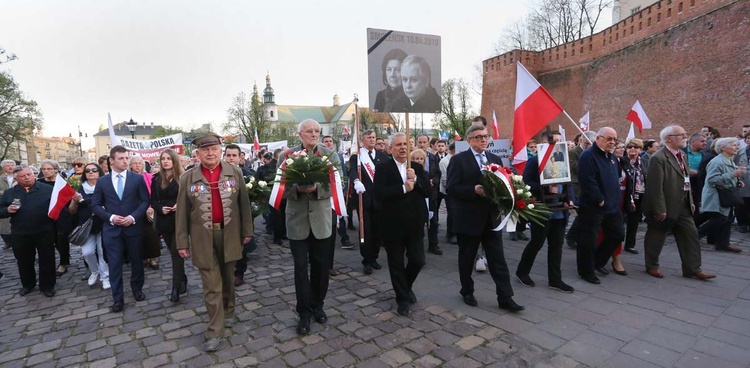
<point>690,186</point>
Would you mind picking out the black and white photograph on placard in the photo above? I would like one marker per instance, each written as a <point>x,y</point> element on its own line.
<point>403,71</point>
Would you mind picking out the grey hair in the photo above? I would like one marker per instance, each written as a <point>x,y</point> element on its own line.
<point>305,122</point>
<point>54,164</point>
<point>135,158</point>
<point>399,134</point>
<point>19,168</point>
<point>696,137</point>
<point>366,133</point>
<point>666,131</point>
<point>7,162</point>
<point>723,142</point>
<point>474,128</point>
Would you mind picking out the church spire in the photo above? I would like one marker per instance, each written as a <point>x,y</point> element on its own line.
<point>268,95</point>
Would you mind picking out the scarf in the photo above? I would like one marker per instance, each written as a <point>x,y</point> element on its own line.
<point>88,189</point>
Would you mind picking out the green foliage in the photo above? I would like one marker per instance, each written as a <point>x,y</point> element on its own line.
<point>245,116</point>
<point>281,131</point>
<point>19,116</point>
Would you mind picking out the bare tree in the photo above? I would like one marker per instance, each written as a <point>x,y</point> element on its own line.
<point>6,57</point>
<point>246,116</point>
<point>551,23</point>
<point>455,114</point>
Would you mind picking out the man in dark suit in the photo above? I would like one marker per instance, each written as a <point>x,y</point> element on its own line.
<point>668,205</point>
<point>432,168</point>
<point>401,192</point>
<point>574,188</point>
<point>600,206</point>
<point>370,157</point>
<point>419,95</point>
<point>120,200</point>
<point>475,218</point>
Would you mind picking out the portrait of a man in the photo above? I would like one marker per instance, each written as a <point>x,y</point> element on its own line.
<point>558,167</point>
<point>419,94</point>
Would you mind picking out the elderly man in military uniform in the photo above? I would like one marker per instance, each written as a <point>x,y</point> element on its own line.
<point>309,227</point>
<point>213,215</point>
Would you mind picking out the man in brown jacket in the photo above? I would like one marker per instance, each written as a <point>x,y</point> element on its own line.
<point>215,230</point>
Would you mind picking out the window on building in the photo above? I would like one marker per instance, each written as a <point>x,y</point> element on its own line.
<point>271,113</point>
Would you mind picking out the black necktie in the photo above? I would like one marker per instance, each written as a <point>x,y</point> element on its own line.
<point>372,156</point>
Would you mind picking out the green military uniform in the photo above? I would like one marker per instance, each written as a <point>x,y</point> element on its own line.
<point>215,246</point>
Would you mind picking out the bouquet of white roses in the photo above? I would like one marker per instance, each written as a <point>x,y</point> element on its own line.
<point>258,191</point>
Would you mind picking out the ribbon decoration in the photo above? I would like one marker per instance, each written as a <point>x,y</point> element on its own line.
<point>337,196</point>
<point>509,222</point>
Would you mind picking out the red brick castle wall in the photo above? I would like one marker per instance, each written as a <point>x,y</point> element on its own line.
<point>687,61</point>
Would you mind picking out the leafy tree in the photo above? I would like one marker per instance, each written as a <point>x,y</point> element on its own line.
<point>165,130</point>
<point>284,131</point>
<point>19,116</point>
<point>455,114</point>
<point>245,116</point>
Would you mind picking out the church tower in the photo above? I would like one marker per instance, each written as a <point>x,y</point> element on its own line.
<point>268,100</point>
<point>256,97</point>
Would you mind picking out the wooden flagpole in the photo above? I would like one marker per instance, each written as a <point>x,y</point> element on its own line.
<point>408,143</point>
<point>360,209</point>
<point>577,127</point>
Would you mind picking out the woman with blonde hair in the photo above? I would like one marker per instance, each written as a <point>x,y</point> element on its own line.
<point>151,241</point>
<point>164,188</point>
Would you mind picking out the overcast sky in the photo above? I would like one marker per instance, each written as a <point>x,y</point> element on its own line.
<point>180,63</point>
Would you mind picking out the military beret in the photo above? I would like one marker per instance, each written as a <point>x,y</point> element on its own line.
<point>208,139</point>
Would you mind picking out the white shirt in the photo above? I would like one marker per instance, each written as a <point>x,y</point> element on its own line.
<point>114,174</point>
<point>402,170</point>
<point>10,178</point>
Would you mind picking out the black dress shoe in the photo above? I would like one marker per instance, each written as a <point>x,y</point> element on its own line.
<point>319,316</point>
<point>49,293</point>
<point>24,291</point>
<point>630,250</point>
<point>412,297</point>
<point>175,296</point>
<point>592,279</point>
<point>510,305</point>
<point>368,270</point>
<point>183,286</point>
<point>621,273</point>
<point>403,309</point>
<point>303,326</point>
<point>139,296</point>
<point>376,265</point>
<point>602,271</point>
<point>470,300</point>
<point>435,250</point>
<point>117,307</point>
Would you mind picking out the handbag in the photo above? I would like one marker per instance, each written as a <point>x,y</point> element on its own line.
<point>81,232</point>
<point>730,197</point>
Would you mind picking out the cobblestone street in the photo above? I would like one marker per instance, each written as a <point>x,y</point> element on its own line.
<point>630,321</point>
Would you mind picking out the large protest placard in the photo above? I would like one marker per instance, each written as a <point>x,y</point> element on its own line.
<point>147,148</point>
<point>403,71</point>
<point>500,147</point>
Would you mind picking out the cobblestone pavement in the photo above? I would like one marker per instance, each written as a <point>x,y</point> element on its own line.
<point>631,321</point>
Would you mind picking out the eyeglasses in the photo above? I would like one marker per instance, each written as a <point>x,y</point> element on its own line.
<point>480,137</point>
<point>92,170</point>
<point>631,147</point>
<point>78,164</point>
<point>609,139</point>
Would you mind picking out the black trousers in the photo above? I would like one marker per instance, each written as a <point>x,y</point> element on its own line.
<point>493,250</point>
<point>719,226</point>
<point>633,219</point>
<point>370,249</point>
<point>279,221</point>
<point>449,216</point>
<point>342,228</point>
<point>178,263</point>
<point>6,239</point>
<point>62,244</point>
<point>432,225</point>
<point>403,276</point>
<point>311,288</point>
<point>553,232</point>
<point>25,248</point>
<point>241,265</point>
<point>574,232</point>
<point>588,254</point>
<point>743,212</point>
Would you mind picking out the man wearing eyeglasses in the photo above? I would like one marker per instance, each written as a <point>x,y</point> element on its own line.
<point>475,217</point>
<point>600,203</point>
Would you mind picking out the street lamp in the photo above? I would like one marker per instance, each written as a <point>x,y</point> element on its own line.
<point>80,138</point>
<point>131,127</point>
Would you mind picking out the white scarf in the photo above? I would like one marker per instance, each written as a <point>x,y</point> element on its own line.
<point>88,189</point>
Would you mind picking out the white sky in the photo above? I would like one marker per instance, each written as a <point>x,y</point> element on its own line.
<point>180,63</point>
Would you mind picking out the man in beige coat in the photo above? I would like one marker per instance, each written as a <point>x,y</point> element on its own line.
<point>213,215</point>
<point>309,228</point>
<point>7,180</point>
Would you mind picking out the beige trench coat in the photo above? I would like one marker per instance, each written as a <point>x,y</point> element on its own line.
<point>5,223</point>
<point>193,222</point>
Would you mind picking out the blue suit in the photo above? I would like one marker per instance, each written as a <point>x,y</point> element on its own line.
<point>115,239</point>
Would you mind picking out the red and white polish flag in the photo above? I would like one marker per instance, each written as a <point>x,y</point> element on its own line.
<point>256,143</point>
<point>62,192</point>
<point>495,129</point>
<point>535,108</point>
<point>584,122</point>
<point>456,136</point>
<point>638,117</point>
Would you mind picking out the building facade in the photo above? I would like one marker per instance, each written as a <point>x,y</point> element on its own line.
<point>101,138</point>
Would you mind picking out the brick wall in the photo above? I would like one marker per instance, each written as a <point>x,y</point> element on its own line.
<point>688,62</point>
